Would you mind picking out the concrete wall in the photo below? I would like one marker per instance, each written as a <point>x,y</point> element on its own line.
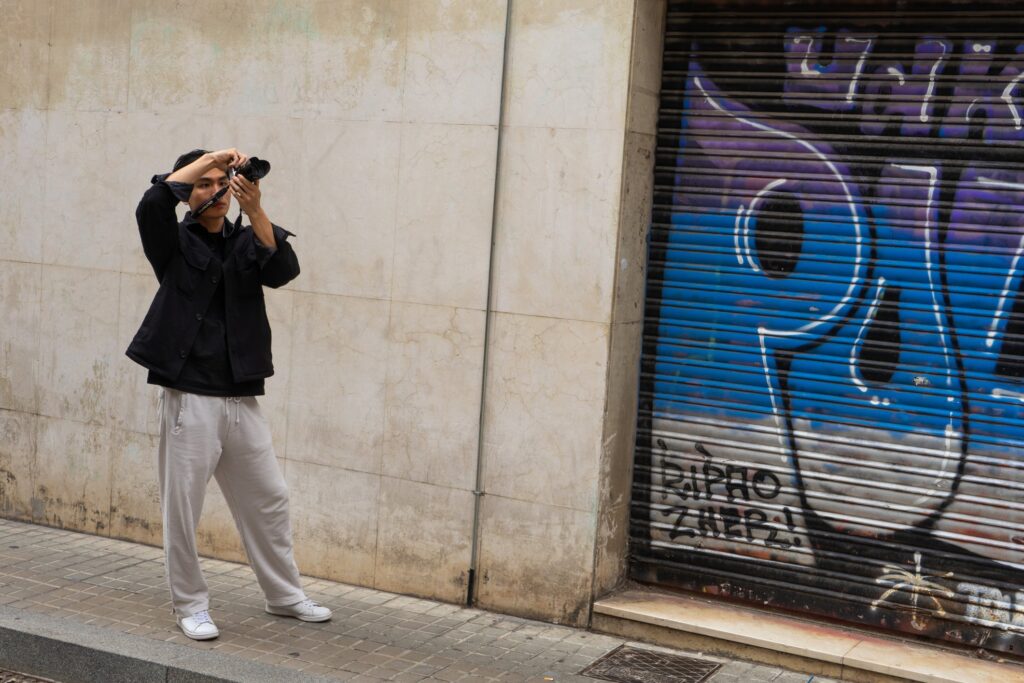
<point>381,119</point>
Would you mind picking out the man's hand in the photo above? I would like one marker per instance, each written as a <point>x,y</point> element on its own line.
<point>247,193</point>
<point>227,158</point>
<point>222,159</point>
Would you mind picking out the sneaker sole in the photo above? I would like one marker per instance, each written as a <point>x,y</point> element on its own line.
<point>312,620</point>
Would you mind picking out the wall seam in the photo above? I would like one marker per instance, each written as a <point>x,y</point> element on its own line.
<point>38,397</point>
<point>403,125</point>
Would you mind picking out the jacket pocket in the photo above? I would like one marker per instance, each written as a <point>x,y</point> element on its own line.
<point>186,277</point>
<point>248,280</point>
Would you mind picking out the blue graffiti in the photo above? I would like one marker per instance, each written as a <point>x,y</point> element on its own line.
<point>869,321</point>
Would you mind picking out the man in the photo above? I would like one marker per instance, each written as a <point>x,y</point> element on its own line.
<point>206,341</point>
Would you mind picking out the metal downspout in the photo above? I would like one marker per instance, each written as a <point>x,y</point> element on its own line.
<point>478,492</point>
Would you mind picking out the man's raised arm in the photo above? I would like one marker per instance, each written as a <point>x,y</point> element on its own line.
<point>158,224</point>
<point>222,159</point>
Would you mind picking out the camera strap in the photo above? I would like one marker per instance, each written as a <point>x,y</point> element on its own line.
<point>210,202</point>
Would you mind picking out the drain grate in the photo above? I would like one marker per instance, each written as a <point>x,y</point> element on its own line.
<point>633,665</point>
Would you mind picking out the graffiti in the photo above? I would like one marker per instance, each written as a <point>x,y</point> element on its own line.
<point>891,93</point>
<point>919,585</point>
<point>991,607</point>
<point>834,372</point>
<point>708,493</point>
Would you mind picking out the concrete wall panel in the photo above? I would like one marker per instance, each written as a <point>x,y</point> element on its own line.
<point>25,42</point>
<point>453,55</point>
<point>72,474</point>
<point>335,518</point>
<point>349,196</point>
<point>381,120</point>
<point>20,297</point>
<point>536,560</point>
<point>424,538</point>
<point>22,175</point>
<point>543,410</point>
<point>17,463</point>
<point>89,53</point>
<point>78,344</point>
<point>356,60</point>
<point>134,490</point>
<point>339,367</point>
<point>557,220</point>
<point>569,63</point>
<point>443,224</point>
<point>432,400</point>
<point>83,174</point>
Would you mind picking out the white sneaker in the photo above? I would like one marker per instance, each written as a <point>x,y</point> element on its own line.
<point>307,610</point>
<point>199,626</point>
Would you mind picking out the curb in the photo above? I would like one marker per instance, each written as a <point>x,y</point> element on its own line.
<point>818,647</point>
<point>71,652</point>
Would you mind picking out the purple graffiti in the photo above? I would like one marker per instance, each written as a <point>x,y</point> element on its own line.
<point>987,98</point>
<point>908,99</point>
<point>829,87</point>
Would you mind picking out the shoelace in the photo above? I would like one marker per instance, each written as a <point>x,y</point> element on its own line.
<point>307,605</point>
<point>202,617</point>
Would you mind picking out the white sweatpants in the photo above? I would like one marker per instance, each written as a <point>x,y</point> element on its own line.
<point>227,438</point>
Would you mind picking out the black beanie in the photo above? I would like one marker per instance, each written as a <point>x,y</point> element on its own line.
<point>187,158</point>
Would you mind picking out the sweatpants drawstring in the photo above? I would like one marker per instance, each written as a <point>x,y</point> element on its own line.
<point>227,411</point>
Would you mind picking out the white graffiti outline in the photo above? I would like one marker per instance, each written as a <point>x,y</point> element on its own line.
<point>809,41</point>
<point>1006,393</point>
<point>929,231</point>
<point>805,70</point>
<point>1011,274</point>
<point>893,71</point>
<point>931,237</point>
<point>1008,98</point>
<point>736,229</point>
<point>991,182</point>
<point>748,253</point>
<point>842,304</point>
<point>860,63</point>
<point>970,108</point>
<point>931,79</point>
<point>858,229</point>
<point>920,584</point>
<point>870,316</point>
<point>776,412</point>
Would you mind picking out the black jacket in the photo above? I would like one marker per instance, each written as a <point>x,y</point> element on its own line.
<point>189,273</point>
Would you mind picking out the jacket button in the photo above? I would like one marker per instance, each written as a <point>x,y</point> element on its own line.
<point>213,279</point>
<point>199,316</point>
<point>182,353</point>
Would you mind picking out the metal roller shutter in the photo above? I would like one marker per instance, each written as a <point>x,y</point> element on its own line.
<point>832,403</point>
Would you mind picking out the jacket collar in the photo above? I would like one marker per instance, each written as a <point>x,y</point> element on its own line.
<point>192,246</point>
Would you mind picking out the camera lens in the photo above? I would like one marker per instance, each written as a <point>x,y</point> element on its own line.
<point>254,169</point>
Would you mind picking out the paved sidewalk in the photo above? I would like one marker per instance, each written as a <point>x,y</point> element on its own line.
<point>117,587</point>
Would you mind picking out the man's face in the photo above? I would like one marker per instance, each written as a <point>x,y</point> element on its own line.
<point>206,187</point>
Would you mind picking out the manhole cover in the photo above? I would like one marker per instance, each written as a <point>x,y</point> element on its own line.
<point>15,677</point>
<point>633,665</point>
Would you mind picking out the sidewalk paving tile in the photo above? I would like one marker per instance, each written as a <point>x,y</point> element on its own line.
<point>374,635</point>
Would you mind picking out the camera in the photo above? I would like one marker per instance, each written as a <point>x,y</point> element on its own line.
<point>253,169</point>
